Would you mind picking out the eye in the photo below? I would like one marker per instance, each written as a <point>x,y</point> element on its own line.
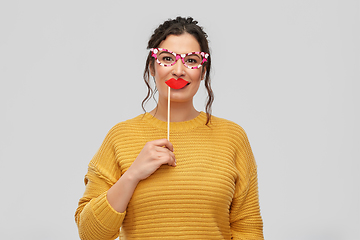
<point>166,58</point>
<point>192,60</point>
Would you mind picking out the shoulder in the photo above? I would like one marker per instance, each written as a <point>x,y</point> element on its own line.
<point>227,129</point>
<point>125,126</point>
<point>225,124</point>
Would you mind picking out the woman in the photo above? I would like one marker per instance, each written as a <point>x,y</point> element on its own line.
<point>202,184</point>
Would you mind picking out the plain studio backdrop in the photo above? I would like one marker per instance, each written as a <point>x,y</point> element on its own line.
<point>286,71</point>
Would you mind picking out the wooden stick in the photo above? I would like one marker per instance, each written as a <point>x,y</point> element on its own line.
<point>168,116</point>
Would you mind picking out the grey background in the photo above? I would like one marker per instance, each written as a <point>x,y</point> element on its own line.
<point>286,71</point>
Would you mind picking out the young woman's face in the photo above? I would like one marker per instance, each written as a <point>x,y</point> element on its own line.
<point>181,44</point>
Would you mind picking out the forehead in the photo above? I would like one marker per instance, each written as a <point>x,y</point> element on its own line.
<point>183,43</point>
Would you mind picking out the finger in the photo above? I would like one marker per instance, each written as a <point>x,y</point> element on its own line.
<point>165,151</point>
<point>162,149</point>
<point>167,158</point>
<point>163,142</point>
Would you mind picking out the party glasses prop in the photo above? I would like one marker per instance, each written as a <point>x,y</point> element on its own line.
<point>168,58</point>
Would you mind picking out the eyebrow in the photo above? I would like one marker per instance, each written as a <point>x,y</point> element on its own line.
<point>171,52</point>
<point>163,52</point>
<point>194,54</point>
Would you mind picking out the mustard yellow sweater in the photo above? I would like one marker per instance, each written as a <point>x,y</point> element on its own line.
<point>212,193</point>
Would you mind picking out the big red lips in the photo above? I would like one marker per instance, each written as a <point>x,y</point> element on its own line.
<point>176,84</point>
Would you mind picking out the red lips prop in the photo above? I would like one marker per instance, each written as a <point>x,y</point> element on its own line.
<point>176,84</point>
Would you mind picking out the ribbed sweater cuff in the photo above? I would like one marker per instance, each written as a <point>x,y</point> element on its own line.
<point>107,215</point>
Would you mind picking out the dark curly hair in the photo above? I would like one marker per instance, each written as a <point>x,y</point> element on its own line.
<point>179,26</point>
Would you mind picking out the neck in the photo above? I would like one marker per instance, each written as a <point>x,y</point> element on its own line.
<point>179,111</point>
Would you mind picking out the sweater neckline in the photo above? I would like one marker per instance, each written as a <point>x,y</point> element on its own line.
<point>200,120</point>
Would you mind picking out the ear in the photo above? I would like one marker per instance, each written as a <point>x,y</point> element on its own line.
<point>203,73</point>
<point>152,69</point>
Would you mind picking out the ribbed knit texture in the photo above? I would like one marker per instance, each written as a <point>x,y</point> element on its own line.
<point>212,193</point>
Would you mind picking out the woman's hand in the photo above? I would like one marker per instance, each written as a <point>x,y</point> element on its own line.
<point>152,156</point>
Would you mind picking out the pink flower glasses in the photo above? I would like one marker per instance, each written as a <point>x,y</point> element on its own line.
<point>168,58</point>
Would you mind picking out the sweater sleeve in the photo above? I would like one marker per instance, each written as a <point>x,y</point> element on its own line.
<point>95,217</point>
<point>245,218</point>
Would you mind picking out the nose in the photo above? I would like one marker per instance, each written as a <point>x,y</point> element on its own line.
<point>178,68</point>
